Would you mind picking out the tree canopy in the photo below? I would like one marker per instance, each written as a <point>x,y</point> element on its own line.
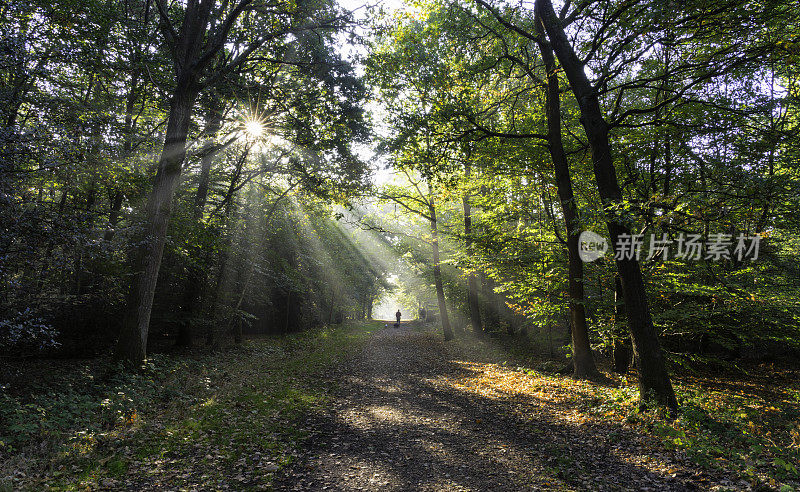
<point>613,182</point>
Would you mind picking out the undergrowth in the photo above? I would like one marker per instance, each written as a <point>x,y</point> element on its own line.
<point>208,420</point>
<point>738,424</point>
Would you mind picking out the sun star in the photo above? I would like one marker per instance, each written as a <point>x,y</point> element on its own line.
<point>253,128</point>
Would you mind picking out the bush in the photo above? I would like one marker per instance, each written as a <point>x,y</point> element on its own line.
<point>26,332</point>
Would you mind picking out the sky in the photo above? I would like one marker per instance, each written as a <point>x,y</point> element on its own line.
<point>382,174</point>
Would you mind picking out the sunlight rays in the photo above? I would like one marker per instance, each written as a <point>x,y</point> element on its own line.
<point>377,221</point>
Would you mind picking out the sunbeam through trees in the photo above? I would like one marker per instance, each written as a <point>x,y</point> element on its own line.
<point>433,245</point>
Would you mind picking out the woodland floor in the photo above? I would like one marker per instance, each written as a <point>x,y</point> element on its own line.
<point>407,416</point>
<point>365,408</point>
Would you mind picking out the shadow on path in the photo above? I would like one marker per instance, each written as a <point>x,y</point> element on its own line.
<point>400,423</point>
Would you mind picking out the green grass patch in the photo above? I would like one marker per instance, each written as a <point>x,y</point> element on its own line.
<point>208,420</point>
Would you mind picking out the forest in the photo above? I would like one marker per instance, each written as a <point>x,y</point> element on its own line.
<point>399,245</point>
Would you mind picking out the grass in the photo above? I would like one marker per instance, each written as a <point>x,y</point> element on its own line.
<point>231,418</point>
<point>746,423</point>
<point>234,418</point>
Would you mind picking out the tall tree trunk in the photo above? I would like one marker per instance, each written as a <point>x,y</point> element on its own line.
<point>251,258</point>
<point>437,273</point>
<point>132,342</point>
<point>225,282</point>
<point>189,62</point>
<point>667,165</point>
<point>772,140</point>
<point>653,377</point>
<point>472,281</point>
<point>129,128</point>
<point>88,225</point>
<point>46,266</point>
<point>489,306</point>
<point>763,219</point>
<point>113,215</point>
<point>582,360</point>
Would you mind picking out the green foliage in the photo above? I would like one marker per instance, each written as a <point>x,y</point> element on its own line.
<point>702,147</point>
<point>234,404</point>
<point>754,435</point>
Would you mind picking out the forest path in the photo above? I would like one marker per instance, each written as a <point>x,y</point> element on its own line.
<point>403,420</point>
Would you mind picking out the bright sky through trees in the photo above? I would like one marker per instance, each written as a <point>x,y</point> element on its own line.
<point>254,128</point>
<point>205,204</point>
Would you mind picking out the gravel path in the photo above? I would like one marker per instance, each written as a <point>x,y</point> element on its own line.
<point>400,422</point>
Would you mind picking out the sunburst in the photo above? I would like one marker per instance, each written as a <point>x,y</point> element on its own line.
<point>254,128</point>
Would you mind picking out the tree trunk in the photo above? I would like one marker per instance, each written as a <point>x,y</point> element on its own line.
<point>763,219</point>
<point>189,62</point>
<point>437,274</point>
<point>30,268</point>
<point>582,360</point>
<point>79,268</point>
<point>621,343</point>
<point>213,125</point>
<point>653,377</point>
<point>132,342</point>
<point>127,150</point>
<point>113,215</point>
<point>225,280</point>
<point>288,310</point>
<point>472,281</point>
<point>489,307</point>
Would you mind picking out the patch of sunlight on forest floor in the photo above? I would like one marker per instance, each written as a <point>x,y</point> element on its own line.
<point>209,420</point>
<point>746,422</point>
<point>235,418</point>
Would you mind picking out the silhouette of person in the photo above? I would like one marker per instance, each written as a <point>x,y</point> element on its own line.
<point>398,316</point>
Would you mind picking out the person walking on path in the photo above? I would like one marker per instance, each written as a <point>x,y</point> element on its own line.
<point>398,316</point>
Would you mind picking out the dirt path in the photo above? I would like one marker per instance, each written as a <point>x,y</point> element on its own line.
<point>401,422</point>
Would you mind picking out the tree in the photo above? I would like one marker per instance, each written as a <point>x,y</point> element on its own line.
<point>197,44</point>
<point>653,377</point>
<point>582,359</point>
<point>473,300</point>
<point>420,201</point>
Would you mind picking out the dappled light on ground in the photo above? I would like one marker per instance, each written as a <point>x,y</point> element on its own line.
<point>226,420</point>
<point>412,414</point>
<point>493,380</point>
<point>398,410</point>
